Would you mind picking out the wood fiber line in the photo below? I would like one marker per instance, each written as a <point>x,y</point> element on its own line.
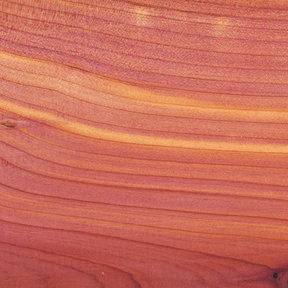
<point>144,144</point>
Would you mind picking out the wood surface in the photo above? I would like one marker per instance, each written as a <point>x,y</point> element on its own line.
<point>143,143</point>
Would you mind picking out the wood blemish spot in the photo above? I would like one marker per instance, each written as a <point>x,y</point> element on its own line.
<point>281,278</point>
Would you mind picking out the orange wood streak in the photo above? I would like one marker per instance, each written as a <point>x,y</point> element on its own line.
<point>143,143</point>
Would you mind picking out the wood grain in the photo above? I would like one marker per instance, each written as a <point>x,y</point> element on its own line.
<point>143,143</point>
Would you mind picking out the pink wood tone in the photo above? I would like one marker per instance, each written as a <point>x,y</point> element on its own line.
<point>143,143</point>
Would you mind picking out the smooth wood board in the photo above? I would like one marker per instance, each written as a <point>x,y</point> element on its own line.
<point>143,143</point>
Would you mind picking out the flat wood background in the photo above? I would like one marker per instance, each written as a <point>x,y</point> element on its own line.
<point>143,143</point>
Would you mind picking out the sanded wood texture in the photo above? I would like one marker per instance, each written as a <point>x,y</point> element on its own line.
<point>143,143</point>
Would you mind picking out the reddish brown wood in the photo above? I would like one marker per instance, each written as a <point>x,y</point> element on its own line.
<point>143,143</point>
